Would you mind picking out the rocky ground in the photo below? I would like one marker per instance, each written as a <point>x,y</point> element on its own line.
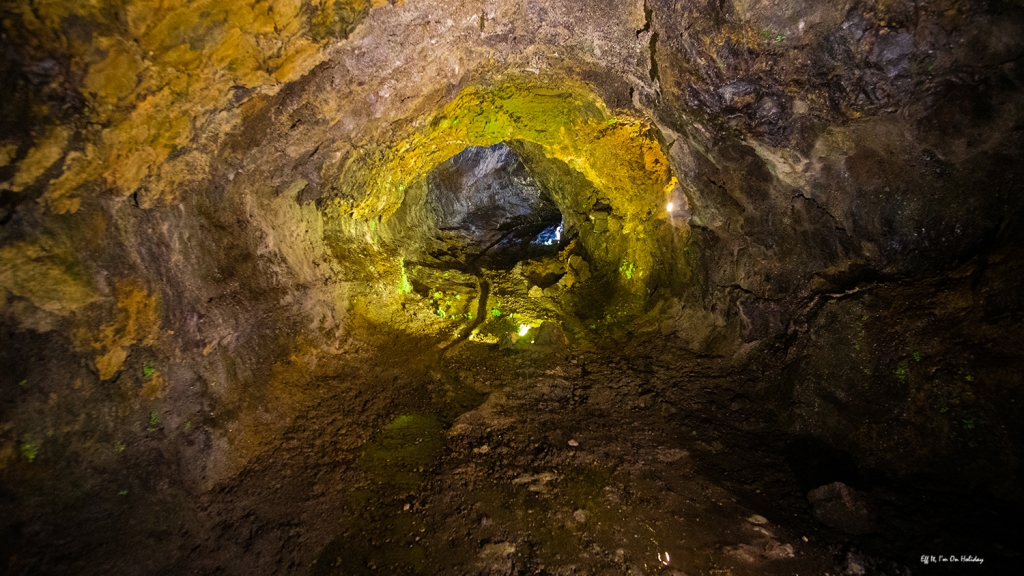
<point>589,449</point>
<point>544,458</point>
<point>587,463</point>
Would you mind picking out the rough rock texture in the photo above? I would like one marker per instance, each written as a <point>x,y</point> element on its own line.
<point>485,205</point>
<point>788,223</point>
<point>843,507</point>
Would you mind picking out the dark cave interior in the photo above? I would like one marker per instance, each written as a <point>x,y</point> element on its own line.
<point>492,209</point>
<point>508,287</point>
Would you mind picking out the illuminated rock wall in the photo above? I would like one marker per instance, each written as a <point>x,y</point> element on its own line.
<point>208,206</point>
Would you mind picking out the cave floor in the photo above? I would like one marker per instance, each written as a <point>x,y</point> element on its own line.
<point>545,461</point>
<point>569,465</point>
<point>550,459</point>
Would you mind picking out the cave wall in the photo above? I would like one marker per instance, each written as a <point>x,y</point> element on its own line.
<point>862,159</point>
<point>186,246</point>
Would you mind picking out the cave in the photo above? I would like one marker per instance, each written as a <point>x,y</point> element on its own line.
<point>502,287</point>
<point>488,209</point>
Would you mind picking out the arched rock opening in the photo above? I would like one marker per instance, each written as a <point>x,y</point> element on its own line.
<point>606,172</point>
<point>488,211</point>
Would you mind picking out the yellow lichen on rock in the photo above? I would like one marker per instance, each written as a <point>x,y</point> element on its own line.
<point>612,158</point>
<point>42,274</point>
<point>110,363</point>
<point>616,152</point>
<point>117,75</point>
<point>174,175</point>
<point>302,58</point>
<point>79,168</point>
<point>338,17</point>
<point>136,322</point>
<point>166,79</point>
<point>154,388</point>
<point>241,55</point>
<point>7,153</point>
<point>48,150</point>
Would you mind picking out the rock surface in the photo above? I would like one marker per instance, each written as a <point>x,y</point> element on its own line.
<point>842,507</point>
<point>231,323</point>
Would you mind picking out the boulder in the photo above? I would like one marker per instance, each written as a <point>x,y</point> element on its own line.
<point>842,507</point>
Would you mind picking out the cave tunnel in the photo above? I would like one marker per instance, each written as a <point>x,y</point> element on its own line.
<point>487,207</point>
<point>497,287</point>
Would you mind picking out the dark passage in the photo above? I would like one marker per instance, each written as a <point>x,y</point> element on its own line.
<point>490,211</point>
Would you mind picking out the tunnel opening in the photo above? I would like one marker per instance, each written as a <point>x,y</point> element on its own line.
<point>490,211</point>
<point>571,229</point>
<point>491,258</point>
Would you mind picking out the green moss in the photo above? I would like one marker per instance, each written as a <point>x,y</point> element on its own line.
<point>401,422</point>
<point>496,313</point>
<point>901,372</point>
<point>406,286</point>
<point>148,371</point>
<point>627,268</point>
<point>154,422</point>
<point>119,446</point>
<point>29,449</point>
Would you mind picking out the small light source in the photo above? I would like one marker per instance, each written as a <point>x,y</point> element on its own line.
<point>670,206</point>
<point>523,329</point>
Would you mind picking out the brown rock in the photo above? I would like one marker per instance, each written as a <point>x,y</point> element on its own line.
<point>842,507</point>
